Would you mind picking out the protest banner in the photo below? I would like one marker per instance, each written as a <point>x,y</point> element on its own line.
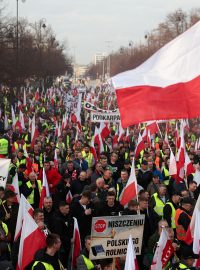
<point>4,168</point>
<point>109,235</point>
<point>91,107</point>
<point>99,117</point>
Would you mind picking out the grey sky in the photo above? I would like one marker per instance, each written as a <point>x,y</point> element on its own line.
<point>88,24</point>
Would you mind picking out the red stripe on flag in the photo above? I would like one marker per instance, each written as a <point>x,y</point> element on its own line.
<point>129,193</point>
<point>145,103</point>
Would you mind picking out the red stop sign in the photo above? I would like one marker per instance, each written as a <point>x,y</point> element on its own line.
<point>100,225</point>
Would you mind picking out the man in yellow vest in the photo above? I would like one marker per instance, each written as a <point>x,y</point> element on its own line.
<point>4,144</point>
<point>187,259</point>
<point>83,261</point>
<point>158,201</point>
<point>170,208</point>
<point>88,156</point>
<point>32,189</point>
<point>47,259</point>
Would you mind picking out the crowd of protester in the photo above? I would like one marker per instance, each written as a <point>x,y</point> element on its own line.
<point>95,185</point>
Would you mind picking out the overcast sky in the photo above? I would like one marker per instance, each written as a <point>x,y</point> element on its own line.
<point>88,24</point>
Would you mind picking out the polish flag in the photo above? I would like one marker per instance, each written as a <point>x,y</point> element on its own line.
<point>29,124</point>
<point>97,140</point>
<point>31,236</point>
<point>63,122</point>
<point>56,129</point>
<point>34,132</point>
<point>168,79</point>
<point>24,100</point>
<point>37,95</point>
<point>121,132</point>
<point>13,117</point>
<point>163,252</point>
<point>76,248</point>
<point>152,126</point>
<point>190,232</point>
<point>4,169</point>
<point>196,145</point>
<point>55,159</point>
<point>177,137</point>
<point>93,150</point>
<point>104,130</point>
<point>59,130</point>
<point>172,165</point>
<point>15,187</point>
<point>181,158</point>
<point>131,261</point>
<point>140,146</point>
<point>45,189</point>
<point>6,122</point>
<point>69,197</point>
<point>130,190</point>
<point>24,206</point>
<point>166,141</point>
<point>78,112</point>
<point>21,119</point>
<point>189,169</point>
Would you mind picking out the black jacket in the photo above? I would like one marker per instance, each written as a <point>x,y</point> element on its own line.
<point>106,210</point>
<point>63,226</point>
<point>144,178</point>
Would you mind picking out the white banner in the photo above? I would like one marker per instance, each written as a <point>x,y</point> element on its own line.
<point>99,117</point>
<point>109,235</point>
<point>91,107</point>
<point>4,168</point>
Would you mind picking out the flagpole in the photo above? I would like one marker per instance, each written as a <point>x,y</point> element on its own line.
<point>113,263</point>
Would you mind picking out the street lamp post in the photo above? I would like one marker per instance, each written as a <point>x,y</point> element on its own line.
<point>17,38</point>
<point>108,58</point>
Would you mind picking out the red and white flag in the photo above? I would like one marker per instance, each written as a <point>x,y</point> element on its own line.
<point>163,252</point>
<point>189,169</point>
<point>104,130</point>
<point>34,132</point>
<point>6,122</point>
<point>78,112</point>
<point>172,165</point>
<point>152,126</point>
<point>21,119</point>
<point>31,236</point>
<point>166,141</point>
<point>190,232</point>
<point>131,261</point>
<point>45,189</point>
<point>140,146</point>
<point>130,190</point>
<point>69,197</point>
<point>56,159</point>
<point>24,206</point>
<point>4,168</point>
<point>13,117</point>
<point>76,248</point>
<point>121,132</point>
<point>15,187</point>
<point>24,100</point>
<point>37,95</point>
<point>168,79</point>
<point>181,157</point>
